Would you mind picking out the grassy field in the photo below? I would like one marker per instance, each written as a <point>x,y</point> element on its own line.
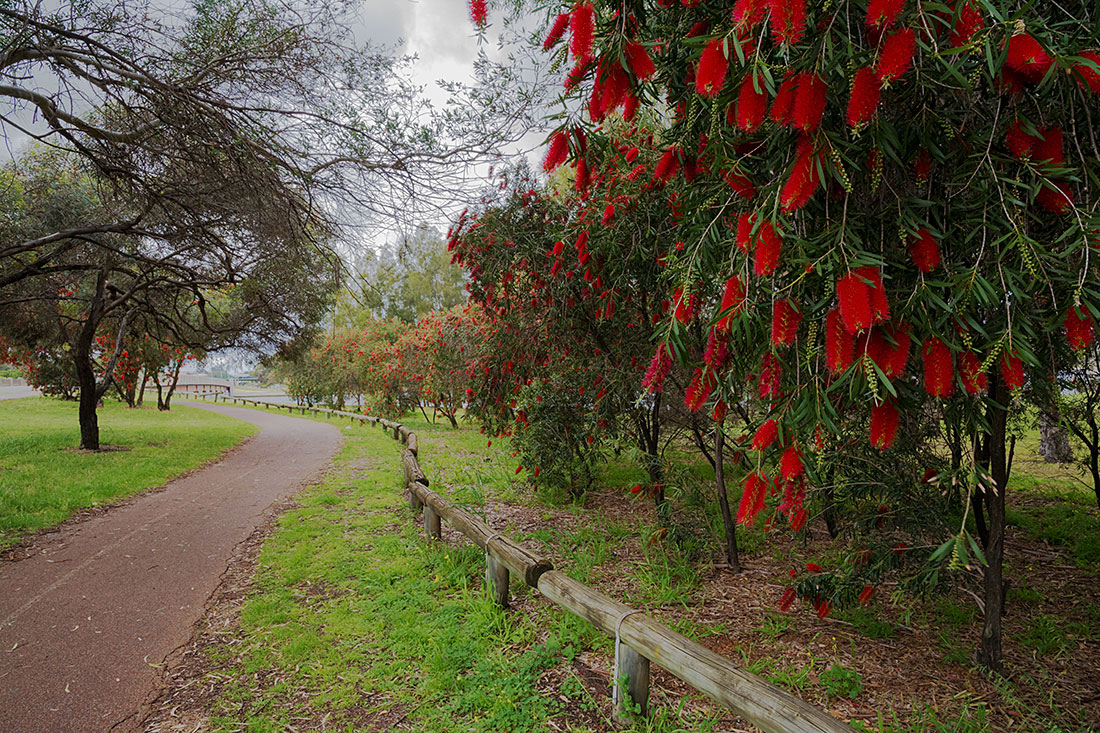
<point>355,622</point>
<point>44,479</point>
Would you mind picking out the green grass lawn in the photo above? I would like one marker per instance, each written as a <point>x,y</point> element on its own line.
<point>44,479</point>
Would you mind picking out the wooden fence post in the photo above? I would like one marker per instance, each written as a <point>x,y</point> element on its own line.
<point>496,577</point>
<point>431,523</point>
<point>635,692</point>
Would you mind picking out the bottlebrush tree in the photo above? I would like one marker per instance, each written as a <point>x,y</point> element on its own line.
<point>436,353</point>
<point>904,190</point>
<point>572,283</point>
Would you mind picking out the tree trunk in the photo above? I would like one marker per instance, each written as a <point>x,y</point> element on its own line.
<point>172,386</point>
<point>723,500</point>
<point>989,651</point>
<point>89,420</point>
<point>1053,437</point>
<point>141,392</point>
<point>160,391</point>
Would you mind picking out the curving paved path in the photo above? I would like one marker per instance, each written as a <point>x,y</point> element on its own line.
<point>86,621</point>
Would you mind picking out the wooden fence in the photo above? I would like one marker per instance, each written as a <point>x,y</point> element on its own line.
<point>639,639</point>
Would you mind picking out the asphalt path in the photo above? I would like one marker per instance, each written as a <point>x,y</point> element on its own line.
<point>87,620</point>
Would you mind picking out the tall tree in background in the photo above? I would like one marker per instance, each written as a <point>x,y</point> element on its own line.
<point>209,149</point>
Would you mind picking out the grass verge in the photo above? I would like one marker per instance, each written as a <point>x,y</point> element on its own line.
<point>45,480</point>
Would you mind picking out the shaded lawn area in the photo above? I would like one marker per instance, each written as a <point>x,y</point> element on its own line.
<point>44,479</point>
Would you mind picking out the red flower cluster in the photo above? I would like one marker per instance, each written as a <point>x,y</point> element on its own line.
<point>925,251</point>
<point>803,181</point>
<point>785,320</point>
<point>752,103</point>
<point>1078,325</point>
<point>790,463</point>
<point>768,246</point>
<point>975,381</point>
<point>478,11</point>
<point>884,425</point>
<point>582,27</point>
<point>881,14</point>
<point>771,372</point>
<point>557,30</point>
<point>788,20</point>
<point>1012,371</point>
<point>840,345</point>
<point>939,369</point>
<point>969,22</point>
<point>640,62</point>
<point>733,302</point>
<point>752,498</point>
<point>711,74</point>
<point>888,347</point>
<point>765,435</point>
<point>1089,71</point>
<point>862,299</point>
<point>897,55</point>
<point>658,370</point>
<point>557,152</point>
<point>1027,58</point>
<point>866,92</point>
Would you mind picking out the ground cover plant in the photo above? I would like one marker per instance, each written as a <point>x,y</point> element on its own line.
<point>45,479</point>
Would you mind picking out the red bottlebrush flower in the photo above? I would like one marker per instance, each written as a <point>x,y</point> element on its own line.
<point>640,62</point>
<point>803,181</point>
<point>1055,196</point>
<point>975,381</point>
<point>558,247</point>
<point>1027,58</point>
<point>884,425</point>
<point>634,174</point>
<point>839,344</point>
<point>576,75</point>
<point>630,106</point>
<point>744,239</point>
<point>866,92</point>
<point>853,295</point>
<point>478,11</point>
<point>582,240</point>
<point>922,166</point>
<point>686,305</point>
<point>880,306</point>
<point>631,155</point>
<point>1078,325</point>
<point>790,464</point>
<point>771,372</point>
<point>557,152</point>
<point>925,251</point>
<point>667,166</point>
<point>535,473</point>
<point>720,411</point>
<point>608,214</point>
<point>866,595</point>
<point>785,320</point>
<point>740,184</point>
<point>717,351</point>
<point>733,302</point>
<point>582,27</point>
<point>788,20</point>
<point>698,392</point>
<point>765,435</point>
<point>888,347</point>
<point>752,105</point>
<point>1018,141</point>
<point>581,179</point>
<point>881,14</point>
<point>768,246</point>
<point>969,22</point>
<point>809,101</point>
<point>749,13</point>
<point>783,106</point>
<point>1012,371</point>
<point>557,30</point>
<point>711,74</point>
<point>788,598</point>
<point>939,369</point>
<point>813,567</point>
<point>897,55</point>
<point>752,498</point>
<point>658,370</point>
<point>1048,149</point>
<point>1088,72</point>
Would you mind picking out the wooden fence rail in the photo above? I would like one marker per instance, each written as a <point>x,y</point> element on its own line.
<point>639,639</point>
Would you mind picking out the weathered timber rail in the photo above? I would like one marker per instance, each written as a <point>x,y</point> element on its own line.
<point>639,639</point>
